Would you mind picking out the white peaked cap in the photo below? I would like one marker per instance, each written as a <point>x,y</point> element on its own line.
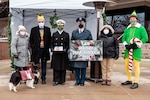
<point>60,21</point>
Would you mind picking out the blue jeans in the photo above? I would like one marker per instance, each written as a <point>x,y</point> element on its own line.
<point>80,74</point>
<point>43,64</point>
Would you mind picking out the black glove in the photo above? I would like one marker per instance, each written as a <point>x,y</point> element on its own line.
<point>15,56</point>
<point>128,47</point>
<point>134,46</point>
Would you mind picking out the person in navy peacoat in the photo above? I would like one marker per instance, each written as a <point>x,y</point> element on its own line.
<point>80,66</point>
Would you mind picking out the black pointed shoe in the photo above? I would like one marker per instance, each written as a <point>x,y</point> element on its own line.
<point>126,83</point>
<point>82,84</point>
<point>76,84</point>
<point>55,83</point>
<point>62,83</point>
<point>134,86</point>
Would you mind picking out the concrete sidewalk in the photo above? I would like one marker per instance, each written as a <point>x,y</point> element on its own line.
<point>91,90</point>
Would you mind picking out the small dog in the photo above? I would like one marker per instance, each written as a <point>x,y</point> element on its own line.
<point>28,76</point>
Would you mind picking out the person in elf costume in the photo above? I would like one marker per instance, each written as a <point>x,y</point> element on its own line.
<point>133,38</point>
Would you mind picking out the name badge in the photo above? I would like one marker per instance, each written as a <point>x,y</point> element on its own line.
<point>58,48</point>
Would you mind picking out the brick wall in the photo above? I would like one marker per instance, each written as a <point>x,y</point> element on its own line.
<point>3,42</point>
<point>4,50</point>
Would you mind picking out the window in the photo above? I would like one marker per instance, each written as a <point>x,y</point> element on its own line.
<point>3,27</point>
<point>120,22</point>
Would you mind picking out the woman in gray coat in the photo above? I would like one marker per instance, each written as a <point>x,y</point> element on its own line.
<point>19,48</point>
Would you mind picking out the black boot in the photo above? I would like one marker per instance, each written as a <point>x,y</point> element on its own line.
<point>126,83</point>
<point>43,82</point>
<point>134,86</point>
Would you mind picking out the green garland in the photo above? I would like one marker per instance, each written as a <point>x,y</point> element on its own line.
<point>53,20</point>
<point>9,39</point>
<point>104,18</point>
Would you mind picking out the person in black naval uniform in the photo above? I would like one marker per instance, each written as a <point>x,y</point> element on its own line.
<point>60,46</point>
<point>40,38</point>
<point>80,66</point>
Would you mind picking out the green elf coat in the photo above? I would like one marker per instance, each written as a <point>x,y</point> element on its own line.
<point>138,31</point>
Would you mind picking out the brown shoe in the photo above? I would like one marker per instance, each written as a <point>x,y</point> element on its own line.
<point>126,83</point>
<point>104,82</point>
<point>108,82</point>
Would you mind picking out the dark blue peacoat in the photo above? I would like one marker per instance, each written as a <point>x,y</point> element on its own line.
<point>85,35</point>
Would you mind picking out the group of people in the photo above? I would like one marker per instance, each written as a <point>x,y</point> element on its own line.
<point>40,40</point>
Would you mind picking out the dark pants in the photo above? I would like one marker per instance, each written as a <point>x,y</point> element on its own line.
<point>43,64</point>
<point>59,76</point>
<point>80,74</point>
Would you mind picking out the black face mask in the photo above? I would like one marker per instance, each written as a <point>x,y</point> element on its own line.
<point>80,26</point>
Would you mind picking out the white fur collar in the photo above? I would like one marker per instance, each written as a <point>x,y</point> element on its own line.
<point>137,25</point>
<point>17,33</point>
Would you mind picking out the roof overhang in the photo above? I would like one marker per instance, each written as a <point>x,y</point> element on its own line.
<point>129,4</point>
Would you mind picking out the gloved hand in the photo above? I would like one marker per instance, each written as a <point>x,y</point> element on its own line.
<point>15,56</point>
<point>134,46</point>
<point>128,47</point>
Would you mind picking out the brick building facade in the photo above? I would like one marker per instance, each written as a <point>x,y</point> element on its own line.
<point>4,10</point>
<point>3,39</point>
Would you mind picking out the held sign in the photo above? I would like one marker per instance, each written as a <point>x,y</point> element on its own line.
<point>86,50</point>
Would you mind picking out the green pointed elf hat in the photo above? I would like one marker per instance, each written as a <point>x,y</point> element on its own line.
<point>133,14</point>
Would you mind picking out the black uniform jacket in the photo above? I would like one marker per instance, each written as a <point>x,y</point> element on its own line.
<point>60,58</point>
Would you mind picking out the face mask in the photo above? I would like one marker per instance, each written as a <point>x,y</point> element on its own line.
<point>132,22</point>
<point>41,25</point>
<point>60,28</point>
<point>80,26</point>
<point>22,33</point>
<point>106,31</point>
